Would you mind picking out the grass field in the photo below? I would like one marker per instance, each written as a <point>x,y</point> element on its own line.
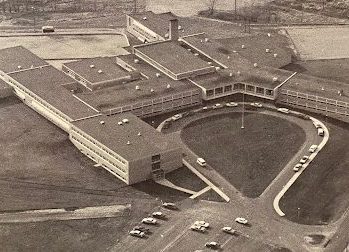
<point>321,192</point>
<point>312,44</point>
<point>250,158</point>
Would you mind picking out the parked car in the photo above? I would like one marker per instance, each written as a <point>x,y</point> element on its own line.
<point>320,132</point>
<point>137,233</point>
<point>283,110</point>
<point>256,104</point>
<point>228,230</point>
<point>170,205</point>
<point>213,245</point>
<point>241,220</point>
<point>297,167</point>
<point>197,228</point>
<point>201,161</point>
<point>202,224</point>
<point>176,117</point>
<point>217,105</point>
<point>159,215</point>
<point>313,148</point>
<point>142,229</point>
<point>149,220</point>
<point>304,159</point>
<point>231,104</point>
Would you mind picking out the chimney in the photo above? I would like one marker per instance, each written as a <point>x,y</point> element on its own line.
<point>173,29</point>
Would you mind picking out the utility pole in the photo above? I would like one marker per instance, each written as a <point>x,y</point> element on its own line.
<point>235,10</point>
<point>243,110</point>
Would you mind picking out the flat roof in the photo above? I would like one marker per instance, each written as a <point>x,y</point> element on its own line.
<point>18,58</point>
<point>158,23</point>
<point>318,87</point>
<point>127,94</point>
<point>115,137</point>
<point>46,83</point>
<point>141,66</point>
<point>172,56</point>
<point>110,70</point>
<point>258,77</point>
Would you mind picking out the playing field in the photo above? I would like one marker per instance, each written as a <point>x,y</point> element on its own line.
<point>321,42</point>
<point>250,158</point>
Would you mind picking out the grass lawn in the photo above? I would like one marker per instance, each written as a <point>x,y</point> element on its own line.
<point>321,192</point>
<point>251,158</point>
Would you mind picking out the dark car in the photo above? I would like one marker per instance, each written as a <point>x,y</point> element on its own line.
<point>142,229</point>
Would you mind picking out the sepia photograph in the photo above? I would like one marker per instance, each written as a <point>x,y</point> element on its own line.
<point>174,125</point>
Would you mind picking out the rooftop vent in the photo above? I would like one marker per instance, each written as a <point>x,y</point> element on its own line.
<point>234,51</point>
<point>218,68</point>
<point>275,79</point>
<point>19,67</point>
<point>136,61</point>
<point>322,88</point>
<point>168,86</point>
<point>189,49</point>
<point>100,71</point>
<point>267,50</point>
<point>120,123</point>
<point>166,35</point>
<point>201,40</point>
<point>179,27</point>
<point>144,18</point>
<point>128,143</point>
<point>125,120</point>
<point>230,74</point>
<point>269,35</point>
<point>209,62</point>
<point>242,46</point>
<point>196,54</point>
<point>92,66</point>
<point>139,134</point>
<point>102,122</point>
<point>152,90</point>
<point>340,92</point>
<point>158,75</point>
<point>207,39</point>
<point>238,73</point>
<point>275,55</point>
<point>228,57</point>
<point>255,64</point>
<point>137,88</point>
<point>32,66</point>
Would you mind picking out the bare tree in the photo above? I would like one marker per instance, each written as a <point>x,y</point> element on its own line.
<point>211,6</point>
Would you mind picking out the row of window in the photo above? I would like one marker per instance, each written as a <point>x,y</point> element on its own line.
<point>39,100</point>
<point>100,155</point>
<point>314,98</point>
<point>98,145</point>
<point>142,32</point>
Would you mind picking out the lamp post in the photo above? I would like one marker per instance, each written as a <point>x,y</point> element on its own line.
<point>298,211</point>
<point>34,17</point>
<point>243,110</point>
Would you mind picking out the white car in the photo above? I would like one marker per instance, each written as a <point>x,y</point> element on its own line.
<point>313,148</point>
<point>149,220</point>
<point>283,110</point>
<point>158,215</point>
<point>297,167</point>
<point>212,245</point>
<point>176,117</point>
<point>137,233</point>
<point>170,205</point>
<point>228,230</point>
<point>217,105</point>
<point>241,220</point>
<point>201,161</point>
<point>304,159</point>
<point>202,224</point>
<point>256,104</point>
<point>231,104</point>
<point>198,228</point>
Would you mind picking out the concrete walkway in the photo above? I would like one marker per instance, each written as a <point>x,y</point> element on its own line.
<point>167,183</point>
<point>206,189</point>
<point>63,214</point>
<point>297,174</point>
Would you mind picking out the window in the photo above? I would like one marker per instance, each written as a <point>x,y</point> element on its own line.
<point>269,92</point>
<point>227,88</point>
<point>219,90</point>
<point>239,86</point>
<point>250,88</point>
<point>259,90</point>
<point>156,166</point>
<point>209,92</point>
<point>155,158</point>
